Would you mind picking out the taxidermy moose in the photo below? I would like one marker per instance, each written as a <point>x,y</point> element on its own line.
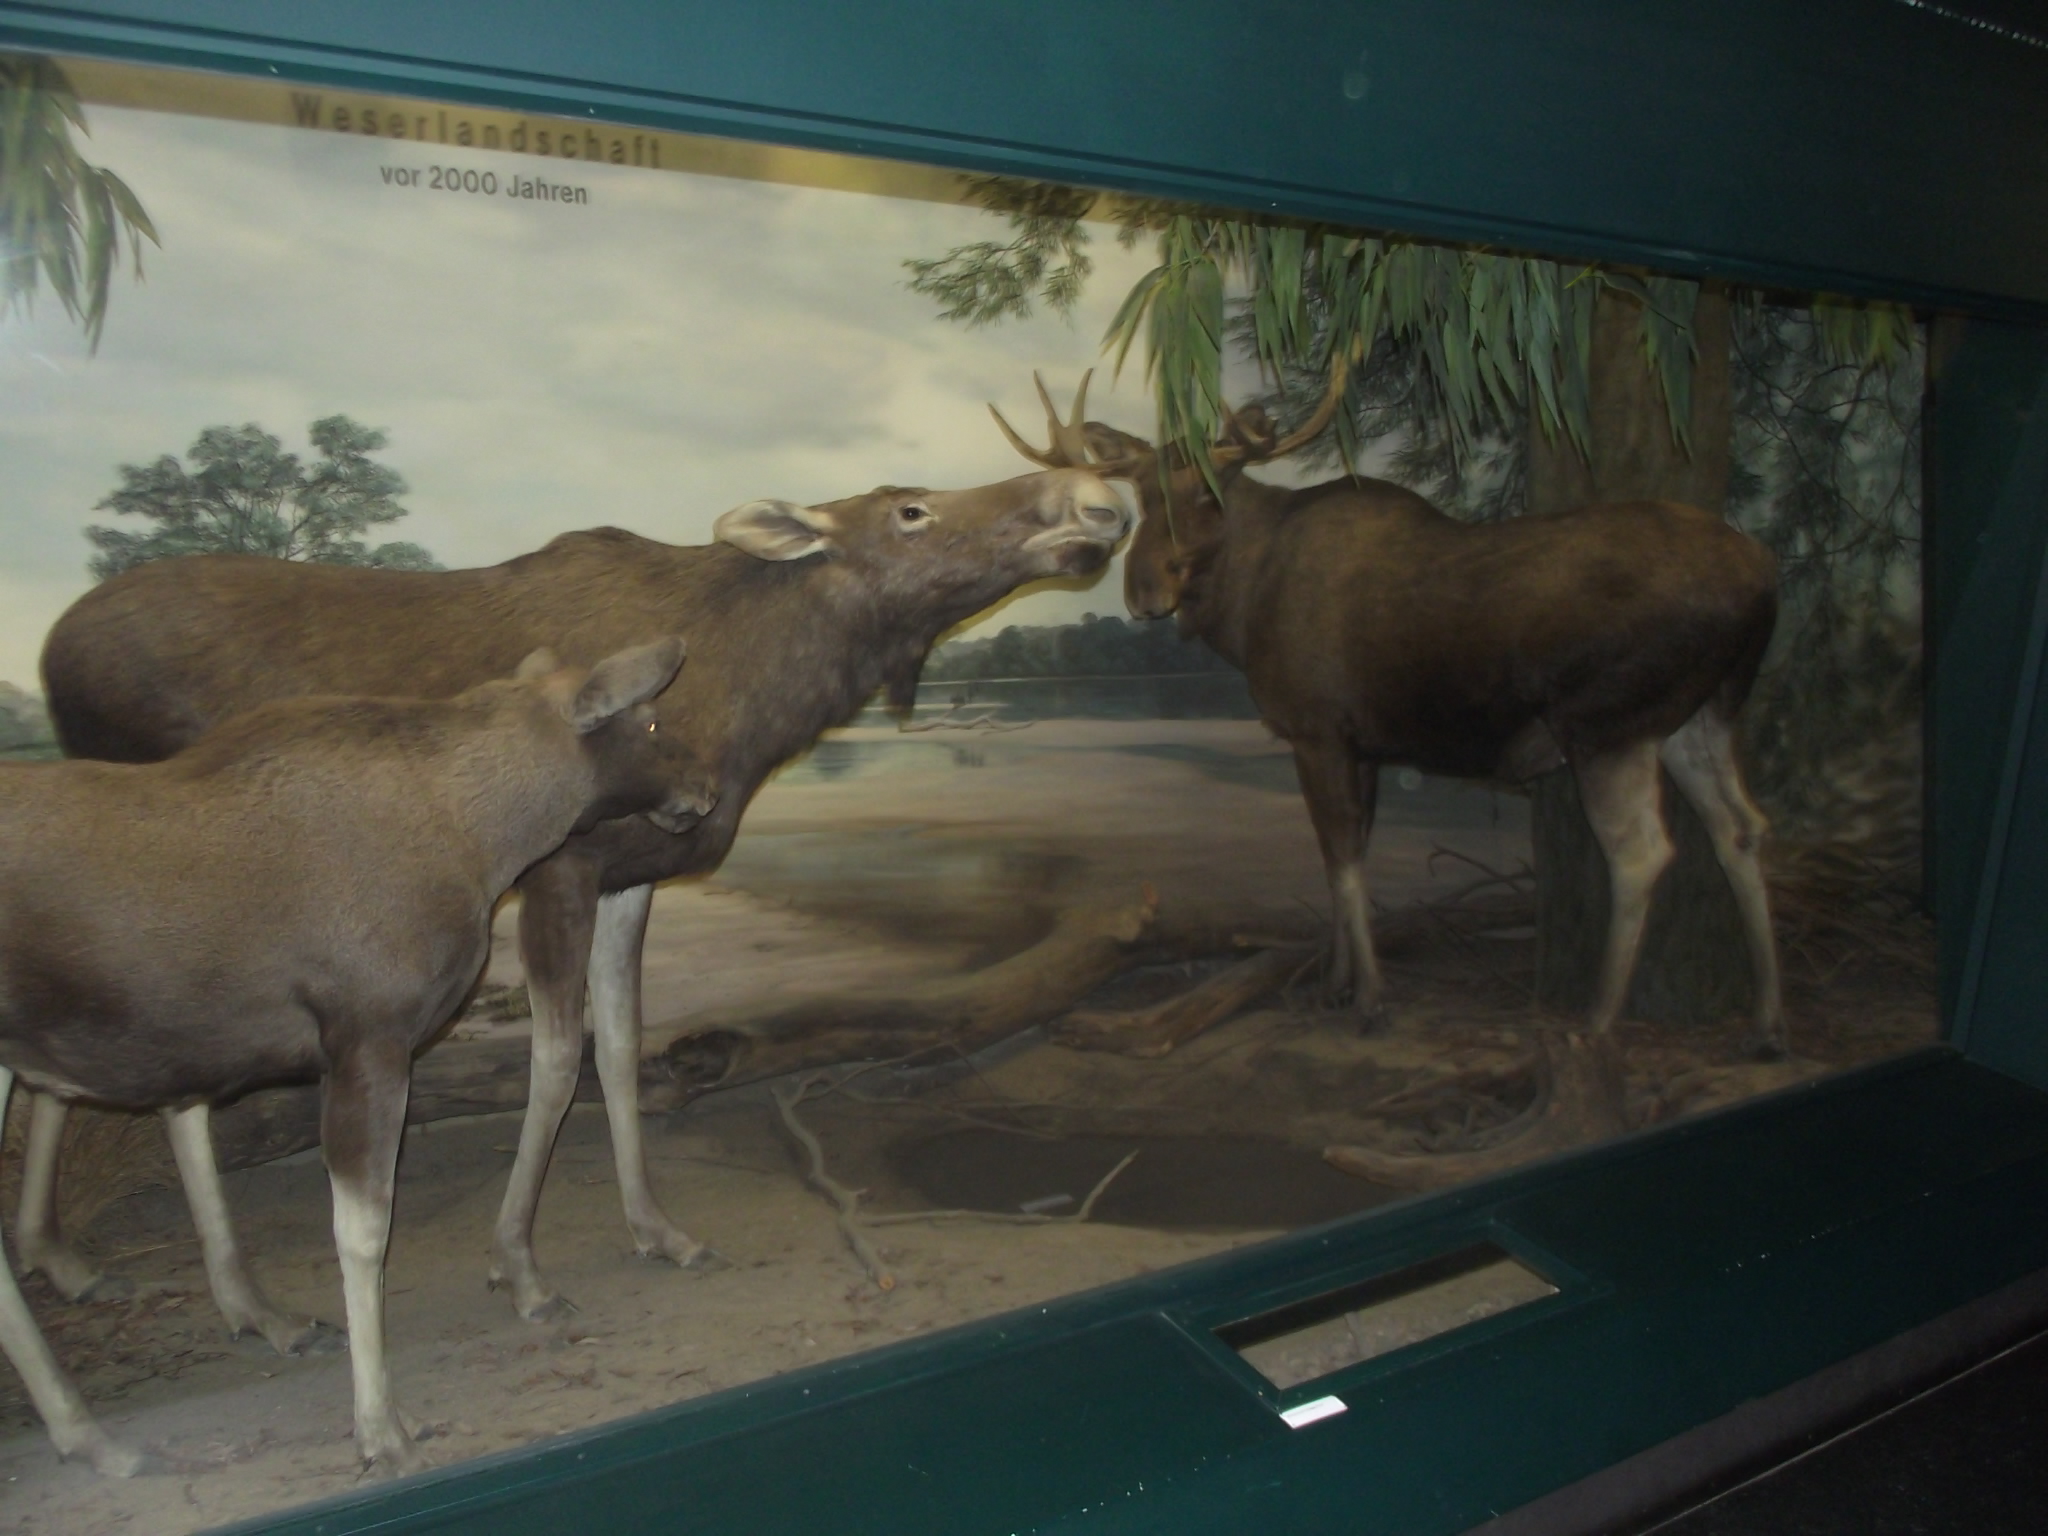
<point>1373,628</point>
<point>794,617</point>
<point>306,891</point>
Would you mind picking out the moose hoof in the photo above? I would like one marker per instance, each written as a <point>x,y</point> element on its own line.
<point>394,1461</point>
<point>313,1337</point>
<point>1765,1048</point>
<point>531,1297</point>
<point>665,1244</point>
<point>287,1335</point>
<point>389,1446</point>
<point>684,1253</point>
<point>1374,1018</point>
<point>106,1288</point>
<point>554,1309</point>
<point>110,1458</point>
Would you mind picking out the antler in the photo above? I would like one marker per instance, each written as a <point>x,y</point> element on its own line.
<point>1069,446</point>
<point>1069,449</point>
<point>1245,452</point>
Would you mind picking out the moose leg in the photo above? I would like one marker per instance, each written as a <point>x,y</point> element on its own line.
<point>1341,794</point>
<point>70,1423</point>
<point>557,917</point>
<point>1622,795</point>
<point>1701,757</point>
<point>615,1019</point>
<point>235,1291</point>
<point>362,1119</point>
<point>39,1242</point>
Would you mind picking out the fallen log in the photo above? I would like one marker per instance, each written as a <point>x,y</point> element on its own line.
<point>728,1047</point>
<point>1164,1027</point>
<point>953,1014</point>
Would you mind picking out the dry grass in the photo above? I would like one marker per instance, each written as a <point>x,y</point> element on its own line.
<point>106,1156</point>
<point>1840,910</point>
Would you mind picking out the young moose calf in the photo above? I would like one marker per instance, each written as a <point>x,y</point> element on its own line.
<point>306,890</point>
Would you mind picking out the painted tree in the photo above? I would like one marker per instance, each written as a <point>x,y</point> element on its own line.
<point>63,221</point>
<point>246,495</point>
<point>1511,382</point>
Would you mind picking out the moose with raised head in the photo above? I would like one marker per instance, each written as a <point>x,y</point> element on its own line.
<point>795,617</point>
<point>307,891</point>
<point>1375,629</point>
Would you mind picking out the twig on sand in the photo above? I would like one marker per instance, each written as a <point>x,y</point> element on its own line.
<point>1523,876</point>
<point>846,1202</point>
<point>1013,1218</point>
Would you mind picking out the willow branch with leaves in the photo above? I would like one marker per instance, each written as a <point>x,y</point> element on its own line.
<point>1481,337</point>
<point>62,220</point>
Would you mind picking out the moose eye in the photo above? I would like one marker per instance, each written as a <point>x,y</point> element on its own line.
<point>912,513</point>
<point>653,726</point>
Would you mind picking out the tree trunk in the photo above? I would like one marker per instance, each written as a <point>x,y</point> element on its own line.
<point>1694,967</point>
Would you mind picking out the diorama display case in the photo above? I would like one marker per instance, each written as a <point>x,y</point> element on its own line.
<point>1709,1307</point>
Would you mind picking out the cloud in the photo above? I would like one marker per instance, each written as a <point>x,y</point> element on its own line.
<point>676,345</point>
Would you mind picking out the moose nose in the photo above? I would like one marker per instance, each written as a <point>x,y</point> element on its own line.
<point>685,808</point>
<point>1100,510</point>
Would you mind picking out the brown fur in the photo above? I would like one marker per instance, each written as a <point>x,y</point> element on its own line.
<point>789,633</point>
<point>1374,629</point>
<point>306,891</point>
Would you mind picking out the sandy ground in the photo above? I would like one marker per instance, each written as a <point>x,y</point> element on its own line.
<point>922,854</point>
<point>891,858</point>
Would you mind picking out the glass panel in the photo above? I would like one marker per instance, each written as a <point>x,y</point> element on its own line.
<point>1022,972</point>
<point>1324,1334</point>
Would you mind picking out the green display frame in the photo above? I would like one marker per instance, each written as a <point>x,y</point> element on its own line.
<point>1884,147</point>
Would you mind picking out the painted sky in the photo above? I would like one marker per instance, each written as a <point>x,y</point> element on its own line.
<point>677,345</point>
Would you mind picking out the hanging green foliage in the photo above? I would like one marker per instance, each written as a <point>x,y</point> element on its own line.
<point>1495,334</point>
<point>1487,336</point>
<point>62,220</point>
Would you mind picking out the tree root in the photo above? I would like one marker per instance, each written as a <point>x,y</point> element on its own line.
<point>1579,1099</point>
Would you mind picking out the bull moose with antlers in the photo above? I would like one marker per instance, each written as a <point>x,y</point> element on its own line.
<point>1375,629</point>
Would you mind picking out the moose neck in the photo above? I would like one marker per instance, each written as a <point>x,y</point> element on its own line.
<point>493,790</point>
<point>814,642</point>
<point>1215,601</point>
<point>516,806</point>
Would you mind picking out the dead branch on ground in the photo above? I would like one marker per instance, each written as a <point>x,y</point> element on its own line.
<point>845,1202</point>
<point>1015,1218</point>
<point>1152,1032</point>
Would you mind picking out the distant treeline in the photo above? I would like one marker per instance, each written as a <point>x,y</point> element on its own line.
<point>1096,647</point>
<point>24,725</point>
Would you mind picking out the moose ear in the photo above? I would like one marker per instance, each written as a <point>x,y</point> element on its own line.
<point>775,530</point>
<point>537,664</point>
<point>624,679</point>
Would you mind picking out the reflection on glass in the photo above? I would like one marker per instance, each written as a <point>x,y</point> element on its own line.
<point>1322,1335</point>
<point>1038,954</point>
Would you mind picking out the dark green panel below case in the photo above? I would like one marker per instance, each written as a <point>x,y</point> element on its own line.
<point>1702,1266</point>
